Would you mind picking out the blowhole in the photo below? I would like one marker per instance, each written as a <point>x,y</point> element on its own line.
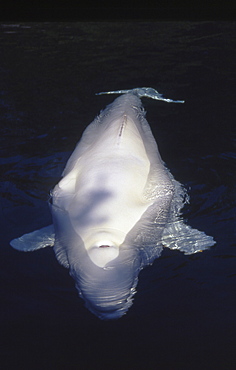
<point>104,246</point>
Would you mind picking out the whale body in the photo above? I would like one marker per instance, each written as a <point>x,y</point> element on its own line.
<point>115,208</point>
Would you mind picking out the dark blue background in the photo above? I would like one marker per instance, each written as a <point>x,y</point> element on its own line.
<point>183,316</point>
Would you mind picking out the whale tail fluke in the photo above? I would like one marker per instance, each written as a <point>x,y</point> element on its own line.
<point>147,92</point>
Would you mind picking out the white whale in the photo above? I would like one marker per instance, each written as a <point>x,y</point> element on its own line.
<point>115,208</point>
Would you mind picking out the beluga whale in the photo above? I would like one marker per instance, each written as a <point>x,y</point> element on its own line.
<point>115,208</point>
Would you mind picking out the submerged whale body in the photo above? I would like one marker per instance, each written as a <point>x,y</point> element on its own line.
<point>115,208</point>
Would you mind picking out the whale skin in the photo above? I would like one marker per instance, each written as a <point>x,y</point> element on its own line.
<point>114,210</point>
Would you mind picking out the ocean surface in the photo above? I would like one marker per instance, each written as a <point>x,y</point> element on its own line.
<point>184,311</point>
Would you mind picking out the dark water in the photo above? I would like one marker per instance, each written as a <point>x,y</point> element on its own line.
<point>183,316</point>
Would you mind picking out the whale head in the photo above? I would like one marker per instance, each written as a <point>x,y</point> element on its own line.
<point>108,290</point>
<point>105,272</point>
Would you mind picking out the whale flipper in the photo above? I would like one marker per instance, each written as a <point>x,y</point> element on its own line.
<point>178,235</point>
<point>35,240</point>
